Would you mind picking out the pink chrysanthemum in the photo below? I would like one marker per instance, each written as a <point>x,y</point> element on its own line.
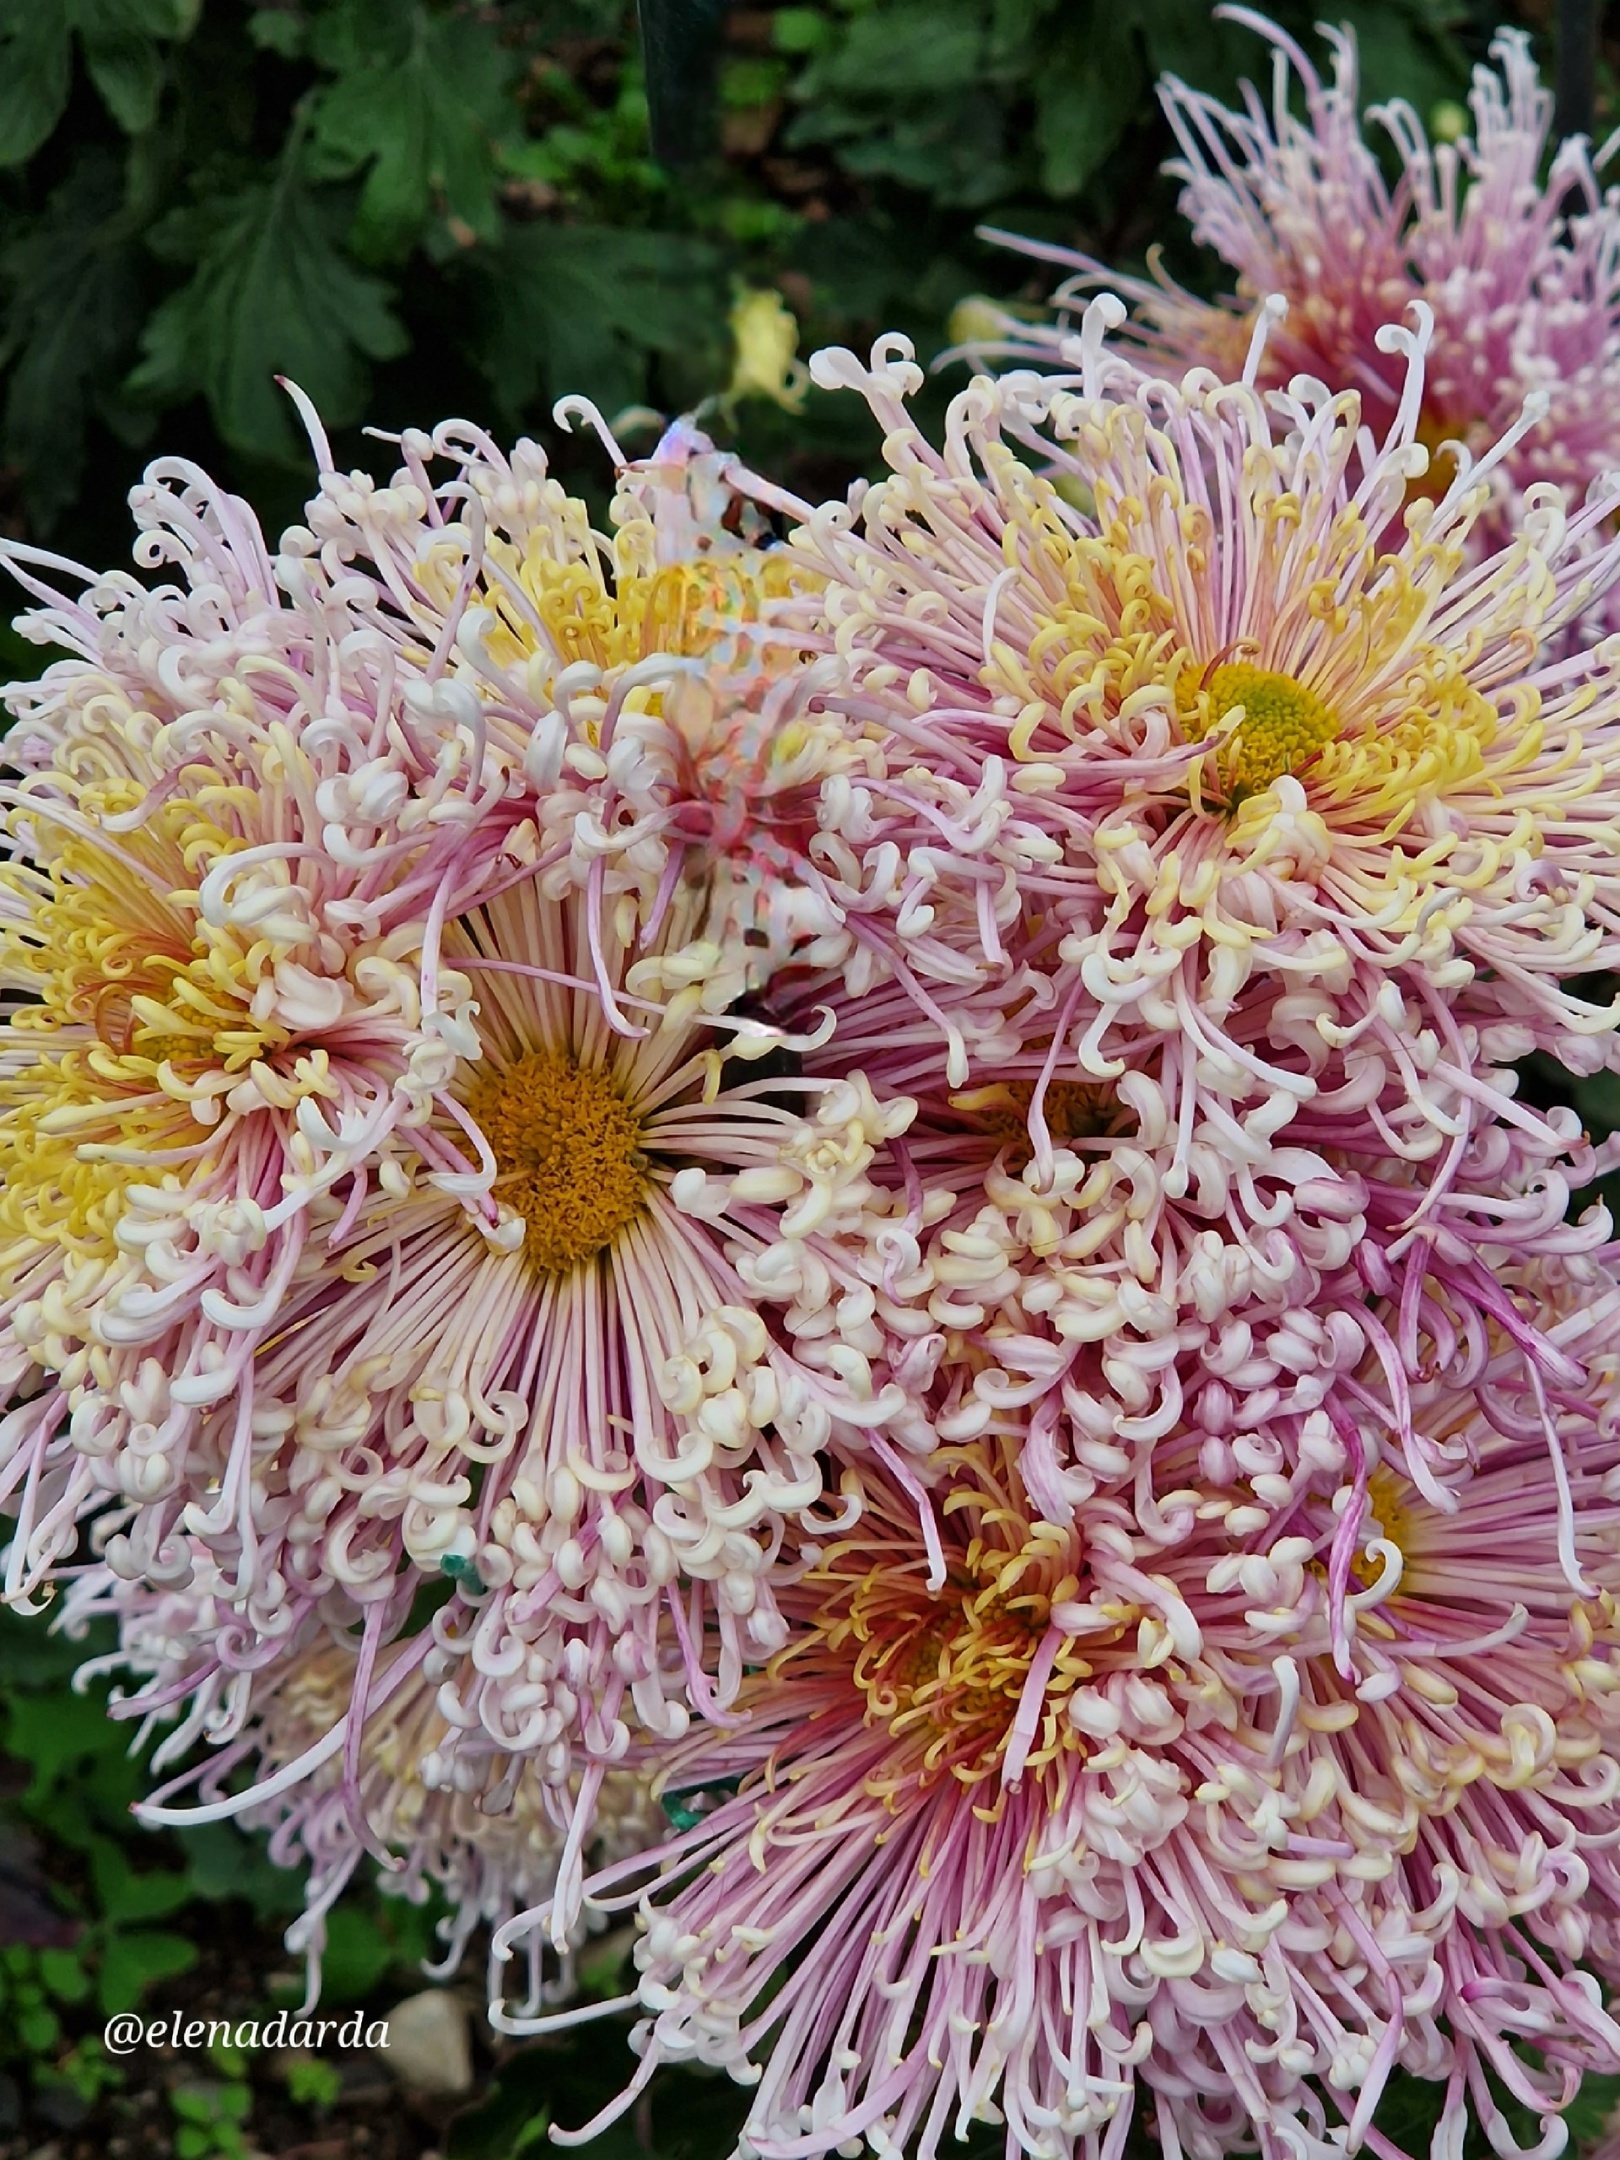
<point>1108,1265</point>
<point>1521,274</point>
<point>1219,732</point>
<point>545,1287</point>
<point>225,854</point>
<point>487,1849</point>
<point>1103,1815</point>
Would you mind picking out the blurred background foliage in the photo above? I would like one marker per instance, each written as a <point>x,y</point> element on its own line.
<point>418,208</point>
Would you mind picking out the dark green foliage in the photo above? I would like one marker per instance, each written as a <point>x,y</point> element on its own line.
<point>680,44</point>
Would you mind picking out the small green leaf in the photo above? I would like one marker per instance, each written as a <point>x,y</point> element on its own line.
<point>131,1963</point>
<point>50,1732</point>
<point>357,1956</point>
<point>273,293</point>
<point>311,2082</point>
<point>419,100</point>
<point>281,30</point>
<point>38,2029</point>
<point>64,1974</point>
<point>35,74</point>
<point>127,1895</point>
<point>224,1862</point>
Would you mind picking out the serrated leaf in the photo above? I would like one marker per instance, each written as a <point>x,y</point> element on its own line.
<point>274,292</point>
<point>419,101</point>
<point>73,305</point>
<point>579,307</point>
<point>914,47</point>
<point>36,70</point>
<point>123,53</point>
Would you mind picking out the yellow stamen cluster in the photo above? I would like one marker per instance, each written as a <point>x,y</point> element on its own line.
<point>140,1016</point>
<point>1073,1110</point>
<point>569,1149</point>
<point>945,1674</point>
<point>1280,724</point>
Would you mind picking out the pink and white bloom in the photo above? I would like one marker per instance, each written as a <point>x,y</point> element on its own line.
<point>397,1193</point>
<point>1520,273</point>
<point>226,860</point>
<point>1222,737</point>
<point>1062,1820</point>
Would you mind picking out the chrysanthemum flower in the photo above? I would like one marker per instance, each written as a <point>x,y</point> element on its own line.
<point>1117,1813</point>
<point>1263,749</point>
<point>225,858</point>
<point>1521,273</point>
<point>575,1408</point>
<point>488,1847</point>
<point>1091,1261</point>
<point>520,1345</point>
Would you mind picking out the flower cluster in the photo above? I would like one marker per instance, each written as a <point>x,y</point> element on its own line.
<point>815,1221</point>
<point>1514,252</point>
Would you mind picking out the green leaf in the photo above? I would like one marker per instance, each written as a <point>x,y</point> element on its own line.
<point>73,308</point>
<point>581,307</point>
<point>64,1974</point>
<point>49,1732</point>
<point>357,1956</point>
<point>128,1895</point>
<point>312,2082</point>
<point>420,99</point>
<point>122,41</point>
<point>38,2029</point>
<point>224,1862</point>
<point>124,57</point>
<point>1084,100</point>
<point>131,1963</point>
<point>916,46</point>
<point>35,74</point>
<point>273,293</point>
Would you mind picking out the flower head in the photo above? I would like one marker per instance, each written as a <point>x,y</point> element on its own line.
<point>1224,735</point>
<point>1079,1814</point>
<point>1519,272</point>
<point>224,858</point>
<point>394,1190</point>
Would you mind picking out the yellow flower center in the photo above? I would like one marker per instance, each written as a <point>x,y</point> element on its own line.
<point>1073,1110</point>
<point>1282,725</point>
<point>1389,1516</point>
<point>569,1149</point>
<point>134,1012</point>
<point>946,1675</point>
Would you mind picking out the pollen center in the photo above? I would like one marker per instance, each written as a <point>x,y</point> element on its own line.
<point>1282,727</point>
<point>570,1155</point>
<point>1073,1110</point>
<point>947,1674</point>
